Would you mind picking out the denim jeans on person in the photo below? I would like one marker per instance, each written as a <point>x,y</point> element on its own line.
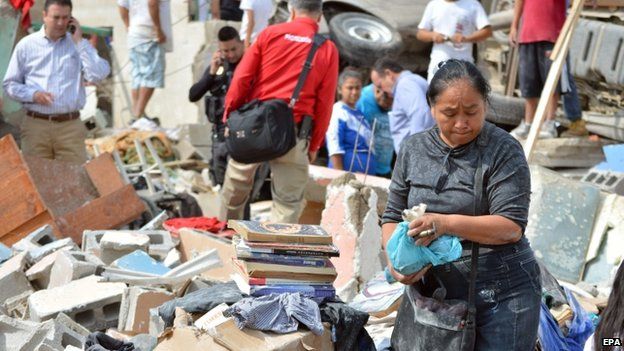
<point>508,297</point>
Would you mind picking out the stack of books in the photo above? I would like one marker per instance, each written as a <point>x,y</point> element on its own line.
<point>276,258</point>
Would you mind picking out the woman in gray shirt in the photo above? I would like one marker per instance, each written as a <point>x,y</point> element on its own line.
<point>437,167</point>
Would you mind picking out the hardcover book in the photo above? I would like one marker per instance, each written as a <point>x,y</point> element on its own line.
<point>280,232</point>
<point>311,250</point>
<point>265,270</point>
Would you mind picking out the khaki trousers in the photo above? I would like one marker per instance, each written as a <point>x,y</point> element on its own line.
<point>63,141</point>
<point>289,176</point>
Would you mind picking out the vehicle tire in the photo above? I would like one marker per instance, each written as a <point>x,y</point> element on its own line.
<point>505,109</point>
<point>362,38</point>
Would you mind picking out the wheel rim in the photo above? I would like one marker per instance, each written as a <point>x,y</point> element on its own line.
<point>367,30</point>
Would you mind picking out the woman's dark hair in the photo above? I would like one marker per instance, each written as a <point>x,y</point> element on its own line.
<point>453,70</point>
<point>611,323</point>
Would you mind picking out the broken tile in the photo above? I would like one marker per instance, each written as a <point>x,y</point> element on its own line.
<point>140,261</point>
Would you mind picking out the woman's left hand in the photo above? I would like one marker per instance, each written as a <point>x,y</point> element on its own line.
<point>435,223</point>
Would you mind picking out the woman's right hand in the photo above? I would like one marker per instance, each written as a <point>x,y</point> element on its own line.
<point>408,279</point>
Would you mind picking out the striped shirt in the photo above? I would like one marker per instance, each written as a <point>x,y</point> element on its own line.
<point>57,67</point>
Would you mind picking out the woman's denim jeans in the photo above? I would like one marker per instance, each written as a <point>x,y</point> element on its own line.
<point>508,296</point>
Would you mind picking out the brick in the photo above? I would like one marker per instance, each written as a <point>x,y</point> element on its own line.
<point>88,301</point>
<point>351,216</point>
<point>140,261</point>
<point>135,305</point>
<point>72,265</point>
<point>39,273</point>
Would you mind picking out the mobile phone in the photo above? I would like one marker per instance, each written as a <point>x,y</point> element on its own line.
<point>72,27</point>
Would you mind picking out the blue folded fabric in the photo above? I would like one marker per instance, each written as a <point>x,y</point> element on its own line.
<point>408,258</point>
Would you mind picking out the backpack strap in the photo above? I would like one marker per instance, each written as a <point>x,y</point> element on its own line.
<point>317,41</point>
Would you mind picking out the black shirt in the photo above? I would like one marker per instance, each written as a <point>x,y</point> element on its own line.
<point>431,172</point>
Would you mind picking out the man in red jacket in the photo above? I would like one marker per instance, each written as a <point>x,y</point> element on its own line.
<point>269,70</point>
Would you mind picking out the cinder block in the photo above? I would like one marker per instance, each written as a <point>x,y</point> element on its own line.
<point>69,333</point>
<point>22,335</point>
<point>12,278</point>
<point>72,265</point>
<point>135,305</point>
<point>37,254</point>
<point>140,261</point>
<point>39,273</point>
<point>88,301</point>
<point>160,243</point>
<point>612,182</point>
<point>5,253</point>
<point>42,236</point>
<point>116,244</point>
<point>351,217</point>
<point>17,306</point>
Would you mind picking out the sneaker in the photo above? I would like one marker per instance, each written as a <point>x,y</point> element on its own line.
<point>548,130</point>
<point>521,131</point>
<point>576,129</point>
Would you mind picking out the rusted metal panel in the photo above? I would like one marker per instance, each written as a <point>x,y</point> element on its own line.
<point>107,212</point>
<point>104,174</point>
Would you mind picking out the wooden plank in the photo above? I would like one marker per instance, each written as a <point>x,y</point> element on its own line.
<point>10,157</point>
<point>63,186</point>
<point>104,174</point>
<point>28,227</point>
<point>107,212</point>
<point>551,82</point>
<point>512,71</point>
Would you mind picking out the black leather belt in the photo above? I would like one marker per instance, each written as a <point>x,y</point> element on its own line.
<point>59,117</point>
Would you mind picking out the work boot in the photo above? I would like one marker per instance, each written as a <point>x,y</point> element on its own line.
<point>521,131</point>
<point>548,130</point>
<point>576,129</point>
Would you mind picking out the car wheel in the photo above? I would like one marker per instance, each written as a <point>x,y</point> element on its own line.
<point>505,109</point>
<point>362,38</point>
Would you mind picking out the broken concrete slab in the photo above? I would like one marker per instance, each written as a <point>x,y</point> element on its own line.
<point>39,273</point>
<point>140,261</point>
<point>351,217</point>
<point>156,222</point>
<point>320,177</point>
<point>88,301</point>
<point>561,216</point>
<point>17,306</point>
<point>68,332</point>
<point>13,280</point>
<point>173,259</point>
<point>19,335</point>
<point>135,305</point>
<point>72,265</point>
<point>568,152</point>
<point>35,255</point>
<point>116,244</point>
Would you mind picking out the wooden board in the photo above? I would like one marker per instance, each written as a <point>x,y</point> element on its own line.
<point>13,236</point>
<point>104,174</point>
<point>107,212</point>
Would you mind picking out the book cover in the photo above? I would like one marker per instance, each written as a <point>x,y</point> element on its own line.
<point>280,232</point>
<point>285,260</point>
<point>244,247</point>
<point>263,270</point>
<point>277,281</point>
<point>313,291</point>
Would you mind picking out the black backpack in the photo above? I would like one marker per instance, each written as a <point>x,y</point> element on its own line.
<point>261,131</point>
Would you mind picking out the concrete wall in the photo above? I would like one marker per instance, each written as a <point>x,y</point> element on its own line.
<point>170,104</point>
